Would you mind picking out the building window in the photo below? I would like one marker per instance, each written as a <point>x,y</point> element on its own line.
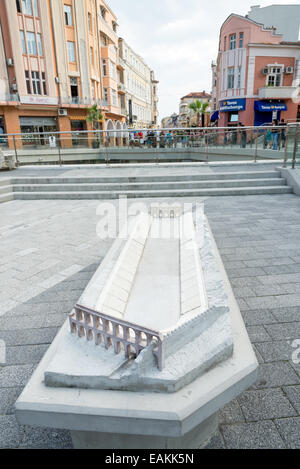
<point>71,51</point>
<point>103,13</point>
<point>93,89</point>
<point>90,23</point>
<point>114,26</point>
<point>92,56</point>
<point>225,43</point>
<point>19,9</point>
<point>36,83</point>
<point>232,41</point>
<point>230,82</point>
<point>104,40</point>
<point>241,40</point>
<point>274,77</point>
<point>31,43</point>
<point>105,92</point>
<point>239,77</point>
<point>44,83</point>
<point>74,89</point>
<point>27,8</point>
<point>28,84</point>
<point>22,35</point>
<point>112,69</point>
<point>68,15</point>
<point>104,67</point>
<point>114,98</point>
<point>35,8</point>
<point>39,43</point>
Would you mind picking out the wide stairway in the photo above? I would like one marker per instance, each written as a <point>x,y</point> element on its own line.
<point>109,187</point>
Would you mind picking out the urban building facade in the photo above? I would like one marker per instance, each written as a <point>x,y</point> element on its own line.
<point>187,117</point>
<point>140,88</point>
<point>58,58</point>
<point>256,76</point>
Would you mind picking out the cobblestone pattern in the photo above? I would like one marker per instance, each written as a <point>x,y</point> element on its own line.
<point>259,241</point>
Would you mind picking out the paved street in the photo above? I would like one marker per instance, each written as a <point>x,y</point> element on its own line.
<point>49,250</point>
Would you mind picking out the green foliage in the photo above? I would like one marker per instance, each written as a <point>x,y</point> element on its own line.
<point>94,116</point>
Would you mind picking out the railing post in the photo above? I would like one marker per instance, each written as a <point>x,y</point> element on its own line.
<point>295,147</point>
<point>16,151</point>
<point>286,147</point>
<point>256,149</point>
<point>59,151</point>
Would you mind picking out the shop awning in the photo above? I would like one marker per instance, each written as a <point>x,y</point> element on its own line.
<point>215,116</point>
<point>265,106</point>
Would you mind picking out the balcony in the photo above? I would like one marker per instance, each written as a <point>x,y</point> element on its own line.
<point>121,88</point>
<point>120,63</point>
<point>9,98</point>
<point>75,100</point>
<point>277,92</point>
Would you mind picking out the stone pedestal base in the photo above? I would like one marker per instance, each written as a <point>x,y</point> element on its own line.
<point>196,438</point>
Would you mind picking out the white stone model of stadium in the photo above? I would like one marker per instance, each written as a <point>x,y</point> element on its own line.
<point>155,315</point>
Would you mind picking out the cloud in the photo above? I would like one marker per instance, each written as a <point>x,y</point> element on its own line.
<point>178,39</point>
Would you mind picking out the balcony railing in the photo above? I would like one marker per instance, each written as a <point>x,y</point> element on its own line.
<point>121,87</point>
<point>121,62</point>
<point>277,92</point>
<point>9,97</point>
<point>83,101</point>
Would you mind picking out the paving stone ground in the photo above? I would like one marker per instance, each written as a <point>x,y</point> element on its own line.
<point>50,249</point>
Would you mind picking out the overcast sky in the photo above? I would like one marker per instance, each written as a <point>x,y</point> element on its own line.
<point>178,39</point>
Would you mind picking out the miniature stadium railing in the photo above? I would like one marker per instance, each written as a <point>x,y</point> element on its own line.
<point>115,333</point>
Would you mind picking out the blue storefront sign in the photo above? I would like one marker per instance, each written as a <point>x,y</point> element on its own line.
<point>233,105</point>
<point>264,106</point>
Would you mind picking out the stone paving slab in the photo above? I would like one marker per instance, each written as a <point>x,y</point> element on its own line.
<point>265,416</point>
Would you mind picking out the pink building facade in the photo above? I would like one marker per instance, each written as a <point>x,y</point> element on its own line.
<point>257,75</point>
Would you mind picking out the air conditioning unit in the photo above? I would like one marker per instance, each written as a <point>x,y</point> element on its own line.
<point>9,62</point>
<point>289,70</point>
<point>14,87</point>
<point>62,112</point>
<point>265,71</point>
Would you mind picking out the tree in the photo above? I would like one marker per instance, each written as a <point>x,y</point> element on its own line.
<point>200,109</point>
<point>94,116</point>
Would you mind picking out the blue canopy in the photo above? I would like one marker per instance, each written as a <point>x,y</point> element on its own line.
<point>265,106</point>
<point>215,116</point>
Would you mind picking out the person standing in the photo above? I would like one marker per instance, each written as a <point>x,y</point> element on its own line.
<point>283,133</point>
<point>275,133</point>
<point>243,135</point>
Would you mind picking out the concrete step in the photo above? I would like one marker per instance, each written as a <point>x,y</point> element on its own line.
<point>5,189</point>
<point>6,197</point>
<point>5,182</point>
<point>151,178</point>
<point>157,186</point>
<point>154,193</point>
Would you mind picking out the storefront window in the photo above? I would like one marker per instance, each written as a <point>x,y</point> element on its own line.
<point>2,131</point>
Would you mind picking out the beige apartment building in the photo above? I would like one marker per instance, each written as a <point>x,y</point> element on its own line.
<point>140,87</point>
<point>187,118</point>
<point>57,59</point>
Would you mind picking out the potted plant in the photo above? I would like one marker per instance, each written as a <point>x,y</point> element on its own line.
<point>94,117</point>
